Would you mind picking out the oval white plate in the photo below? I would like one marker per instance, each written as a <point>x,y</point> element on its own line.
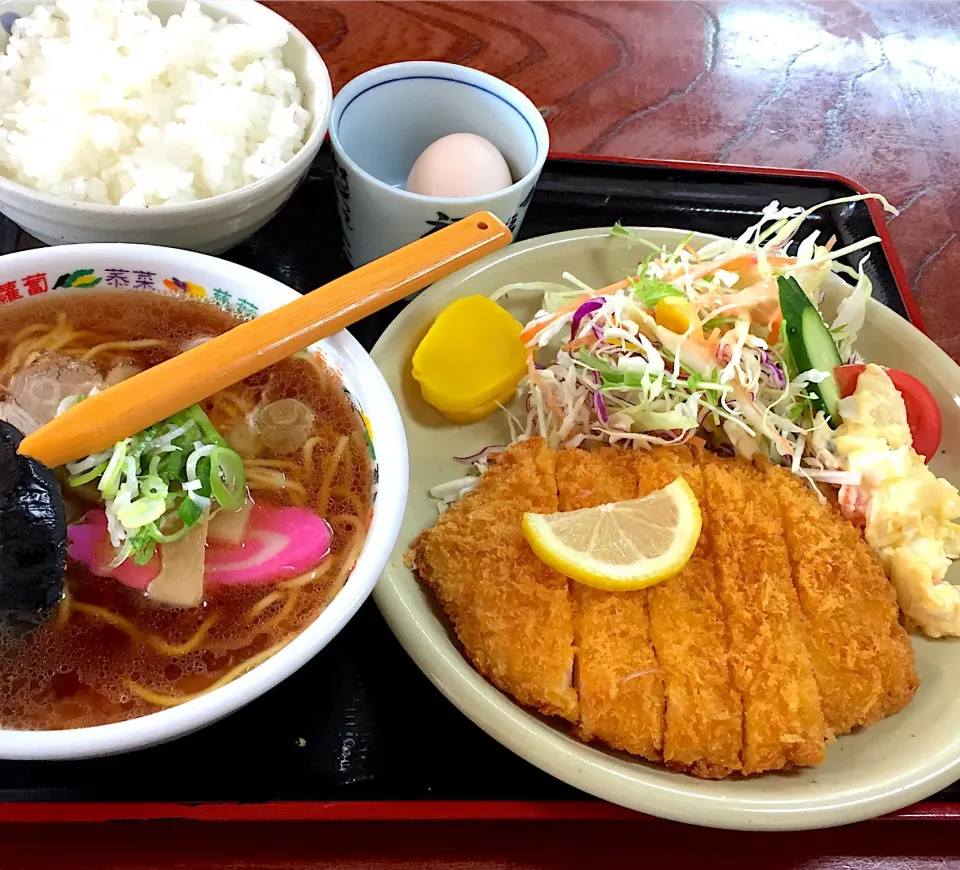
<point>899,761</point>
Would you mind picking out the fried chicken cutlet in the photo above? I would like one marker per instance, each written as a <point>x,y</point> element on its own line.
<point>782,718</point>
<point>703,731</point>
<point>620,681</point>
<point>512,613</point>
<point>861,656</point>
<point>780,632</point>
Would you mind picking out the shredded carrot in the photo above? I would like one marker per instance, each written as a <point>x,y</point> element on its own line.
<point>710,267</point>
<point>695,254</point>
<point>537,327</point>
<point>583,341</point>
<point>776,319</point>
<point>712,342</point>
<point>777,260</point>
<point>731,263</point>
<point>613,288</point>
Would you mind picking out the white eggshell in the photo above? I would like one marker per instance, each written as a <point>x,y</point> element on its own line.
<point>459,165</point>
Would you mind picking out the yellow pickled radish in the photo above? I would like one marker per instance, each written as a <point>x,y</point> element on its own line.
<point>471,359</point>
<point>677,315</point>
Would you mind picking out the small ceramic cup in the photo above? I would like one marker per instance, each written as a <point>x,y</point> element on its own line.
<point>384,119</point>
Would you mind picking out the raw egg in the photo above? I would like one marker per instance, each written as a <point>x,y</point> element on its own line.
<point>459,165</point>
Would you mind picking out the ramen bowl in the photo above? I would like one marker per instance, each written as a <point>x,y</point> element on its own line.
<point>64,272</point>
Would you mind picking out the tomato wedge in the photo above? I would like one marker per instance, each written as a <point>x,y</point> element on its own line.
<point>923,412</point>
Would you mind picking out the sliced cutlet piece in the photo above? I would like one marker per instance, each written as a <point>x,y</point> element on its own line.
<point>861,656</point>
<point>512,613</point>
<point>703,731</point>
<point>783,721</point>
<point>620,682</point>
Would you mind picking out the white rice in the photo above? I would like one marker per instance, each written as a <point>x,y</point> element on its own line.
<point>101,102</point>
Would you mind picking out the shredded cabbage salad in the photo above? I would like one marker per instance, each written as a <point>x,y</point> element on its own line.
<point>691,347</point>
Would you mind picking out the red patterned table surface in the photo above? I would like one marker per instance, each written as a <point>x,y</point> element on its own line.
<point>870,90</point>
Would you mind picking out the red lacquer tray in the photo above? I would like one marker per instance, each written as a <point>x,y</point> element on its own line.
<point>359,735</point>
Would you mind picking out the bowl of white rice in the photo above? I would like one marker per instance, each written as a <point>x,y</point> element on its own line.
<point>186,124</point>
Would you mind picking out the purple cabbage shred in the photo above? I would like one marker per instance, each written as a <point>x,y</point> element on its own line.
<point>601,407</point>
<point>589,306</point>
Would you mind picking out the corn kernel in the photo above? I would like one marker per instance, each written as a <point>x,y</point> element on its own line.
<point>677,315</point>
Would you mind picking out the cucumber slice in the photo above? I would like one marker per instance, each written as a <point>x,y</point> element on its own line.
<point>811,344</point>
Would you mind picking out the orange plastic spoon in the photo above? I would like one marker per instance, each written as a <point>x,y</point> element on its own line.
<point>131,406</point>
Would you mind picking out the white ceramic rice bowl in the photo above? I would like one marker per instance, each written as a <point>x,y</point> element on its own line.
<point>242,289</point>
<point>210,225</point>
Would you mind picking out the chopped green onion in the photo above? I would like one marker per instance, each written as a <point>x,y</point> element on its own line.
<point>201,501</point>
<point>189,512</point>
<point>122,554</point>
<point>131,485</point>
<point>110,482</point>
<point>175,432</point>
<point>143,546</point>
<point>136,477</point>
<point>193,460</point>
<point>86,477</point>
<point>228,480</point>
<point>170,466</point>
<point>162,538</point>
<point>141,512</point>
<point>142,441</point>
<point>195,413</point>
<point>153,486</point>
<point>203,477</point>
<point>89,462</point>
<point>145,554</point>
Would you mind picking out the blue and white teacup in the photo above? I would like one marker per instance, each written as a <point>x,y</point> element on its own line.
<point>384,119</point>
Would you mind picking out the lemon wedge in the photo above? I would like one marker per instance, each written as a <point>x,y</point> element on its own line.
<point>621,546</point>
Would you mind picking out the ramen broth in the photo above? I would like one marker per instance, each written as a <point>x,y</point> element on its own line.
<point>111,653</point>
